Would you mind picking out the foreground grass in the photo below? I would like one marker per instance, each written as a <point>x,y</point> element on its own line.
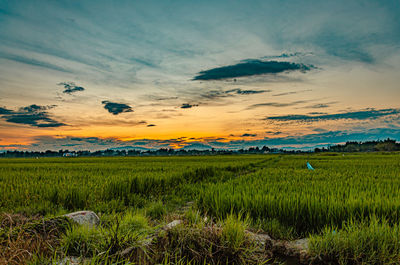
<point>371,241</point>
<point>129,239</point>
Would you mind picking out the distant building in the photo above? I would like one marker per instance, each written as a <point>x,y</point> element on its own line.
<point>70,154</point>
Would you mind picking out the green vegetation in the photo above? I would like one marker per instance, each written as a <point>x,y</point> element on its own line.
<point>83,241</point>
<point>368,242</point>
<point>340,189</point>
<point>233,231</point>
<point>51,185</point>
<point>349,206</point>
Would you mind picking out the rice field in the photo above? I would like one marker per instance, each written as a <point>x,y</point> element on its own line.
<point>341,188</point>
<point>48,185</point>
<point>337,202</point>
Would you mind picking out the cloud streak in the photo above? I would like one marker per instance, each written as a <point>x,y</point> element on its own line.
<point>215,94</point>
<point>288,55</point>
<point>277,104</point>
<point>290,93</point>
<point>321,105</point>
<point>354,115</point>
<point>33,62</point>
<point>239,91</point>
<point>251,67</point>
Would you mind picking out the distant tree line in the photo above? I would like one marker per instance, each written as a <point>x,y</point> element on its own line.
<point>369,146</point>
<point>122,152</point>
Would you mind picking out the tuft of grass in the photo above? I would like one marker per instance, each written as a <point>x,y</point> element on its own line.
<point>82,240</point>
<point>134,222</point>
<point>233,233</point>
<point>156,210</point>
<point>199,243</point>
<point>359,242</point>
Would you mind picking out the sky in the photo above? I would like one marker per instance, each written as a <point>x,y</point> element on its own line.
<point>92,75</point>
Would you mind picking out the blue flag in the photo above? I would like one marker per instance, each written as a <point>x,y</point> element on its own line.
<point>309,166</point>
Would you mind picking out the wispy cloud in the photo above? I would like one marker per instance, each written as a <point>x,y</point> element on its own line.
<point>321,105</point>
<point>287,55</point>
<point>116,108</point>
<point>354,115</point>
<point>215,94</point>
<point>70,87</point>
<point>245,91</point>
<point>34,62</point>
<point>33,115</point>
<point>290,93</point>
<point>162,98</point>
<point>251,67</point>
<point>277,104</point>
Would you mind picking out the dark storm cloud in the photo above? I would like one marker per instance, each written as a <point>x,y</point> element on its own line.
<point>355,115</point>
<point>251,67</point>
<point>116,108</point>
<point>33,115</point>
<point>70,87</point>
<point>188,106</point>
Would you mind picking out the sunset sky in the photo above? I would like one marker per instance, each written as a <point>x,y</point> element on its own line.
<point>89,75</point>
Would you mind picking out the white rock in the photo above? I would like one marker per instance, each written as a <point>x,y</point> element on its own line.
<point>172,224</point>
<point>84,217</point>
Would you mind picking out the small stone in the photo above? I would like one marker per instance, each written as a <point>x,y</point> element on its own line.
<point>172,224</point>
<point>84,218</point>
